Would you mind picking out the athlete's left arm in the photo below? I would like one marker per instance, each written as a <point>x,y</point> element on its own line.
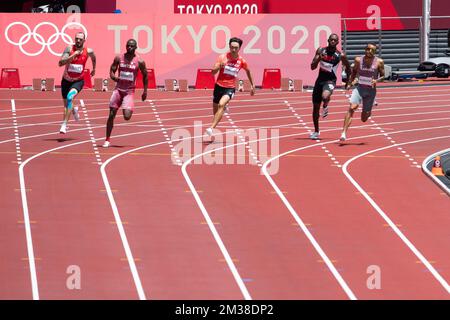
<point>143,69</point>
<point>380,72</point>
<point>93,59</point>
<point>249,76</point>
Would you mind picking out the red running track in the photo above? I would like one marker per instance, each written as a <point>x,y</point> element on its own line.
<point>163,214</point>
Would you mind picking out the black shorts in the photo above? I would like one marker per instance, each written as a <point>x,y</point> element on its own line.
<point>66,86</point>
<point>320,87</point>
<point>219,92</point>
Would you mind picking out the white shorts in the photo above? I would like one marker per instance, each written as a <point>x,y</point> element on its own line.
<point>365,96</point>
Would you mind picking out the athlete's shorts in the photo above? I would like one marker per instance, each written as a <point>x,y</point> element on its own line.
<point>319,88</point>
<point>219,92</point>
<point>122,99</point>
<point>364,95</point>
<point>66,86</point>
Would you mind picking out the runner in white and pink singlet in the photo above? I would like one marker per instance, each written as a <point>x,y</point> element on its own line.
<point>127,66</point>
<point>367,71</point>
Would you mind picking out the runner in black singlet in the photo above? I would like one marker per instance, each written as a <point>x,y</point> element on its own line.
<point>328,58</point>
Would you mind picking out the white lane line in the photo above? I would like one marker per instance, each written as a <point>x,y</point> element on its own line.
<point>409,106</point>
<point>123,236</point>
<point>394,227</point>
<point>244,113</point>
<point>50,107</point>
<point>166,136</point>
<point>392,141</point>
<point>91,133</point>
<point>26,216</point>
<point>294,213</point>
<point>16,132</point>
<point>213,229</point>
<point>210,224</point>
<point>253,159</point>
<point>23,187</point>
<point>336,163</point>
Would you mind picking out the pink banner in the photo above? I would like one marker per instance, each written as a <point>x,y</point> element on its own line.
<point>174,45</point>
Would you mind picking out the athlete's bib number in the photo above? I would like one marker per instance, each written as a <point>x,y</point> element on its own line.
<point>75,68</point>
<point>326,66</point>
<point>365,81</point>
<point>232,71</point>
<point>127,76</point>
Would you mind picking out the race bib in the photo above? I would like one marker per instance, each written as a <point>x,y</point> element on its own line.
<point>125,75</point>
<point>326,66</point>
<point>365,81</point>
<point>232,71</point>
<point>75,68</point>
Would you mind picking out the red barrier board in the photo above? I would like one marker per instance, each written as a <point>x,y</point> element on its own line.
<point>205,79</point>
<point>10,78</point>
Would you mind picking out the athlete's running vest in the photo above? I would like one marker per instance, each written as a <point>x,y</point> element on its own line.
<point>128,71</point>
<point>74,70</point>
<point>366,75</point>
<point>328,65</point>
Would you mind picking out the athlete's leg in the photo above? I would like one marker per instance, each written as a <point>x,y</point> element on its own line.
<point>114,105</point>
<point>220,110</point>
<point>317,101</point>
<point>355,100</point>
<point>368,102</point>
<point>348,120</point>
<point>365,115</point>
<point>127,114</point>
<point>110,122</point>
<point>128,106</point>
<point>68,105</point>
<point>316,116</point>
<point>326,96</point>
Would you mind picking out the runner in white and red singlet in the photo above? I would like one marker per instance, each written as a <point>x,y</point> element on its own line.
<point>74,58</point>
<point>368,71</point>
<point>229,65</point>
<point>127,65</point>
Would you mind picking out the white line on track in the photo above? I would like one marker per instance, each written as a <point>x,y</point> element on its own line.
<point>123,236</point>
<point>26,216</point>
<point>253,158</point>
<point>292,210</point>
<point>394,227</point>
<point>211,226</point>
<point>165,134</point>
<point>213,229</point>
<point>305,126</point>
<point>16,131</point>
<point>24,201</point>
<point>392,141</point>
<point>98,157</point>
<point>410,106</point>
<point>238,279</point>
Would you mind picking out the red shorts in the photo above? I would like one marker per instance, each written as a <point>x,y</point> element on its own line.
<point>122,99</point>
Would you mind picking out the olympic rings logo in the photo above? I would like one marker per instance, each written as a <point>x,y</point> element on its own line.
<point>40,39</point>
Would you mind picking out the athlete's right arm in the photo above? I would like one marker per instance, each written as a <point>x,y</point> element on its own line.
<point>66,57</point>
<point>113,69</point>
<point>316,59</point>
<point>355,69</point>
<point>218,65</point>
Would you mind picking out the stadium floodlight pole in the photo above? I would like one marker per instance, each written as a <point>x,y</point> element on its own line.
<point>425,31</point>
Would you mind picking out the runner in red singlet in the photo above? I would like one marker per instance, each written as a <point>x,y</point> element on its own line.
<point>127,65</point>
<point>229,65</point>
<point>74,58</point>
